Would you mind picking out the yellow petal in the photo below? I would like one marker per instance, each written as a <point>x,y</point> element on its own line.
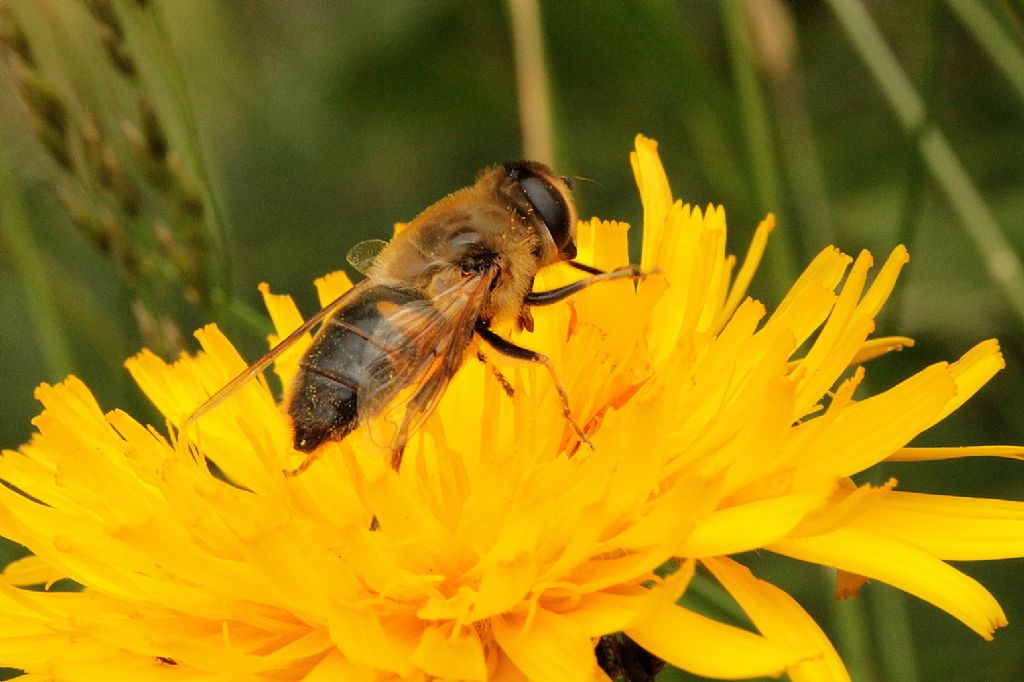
<point>335,667</point>
<point>823,274</point>
<point>30,570</point>
<point>286,317</point>
<point>747,270</point>
<point>504,583</point>
<point>885,281</point>
<point>971,372</point>
<point>749,526</point>
<point>283,313</point>
<point>875,348</point>
<point>547,647</point>
<point>331,286</point>
<point>603,613</point>
<point>929,454</point>
<point>868,431</point>
<point>451,654</point>
<point>605,242</point>
<point>901,565</point>
<point>839,338</point>
<point>955,528</point>
<point>848,502</point>
<point>706,647</point>
<point>779,617</point>
<point>655,195</point>
<point>367,639</point>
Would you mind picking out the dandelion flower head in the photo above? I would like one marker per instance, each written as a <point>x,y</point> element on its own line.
<point>503,549</point>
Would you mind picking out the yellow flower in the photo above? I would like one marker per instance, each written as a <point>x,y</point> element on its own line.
<point>504,549</point>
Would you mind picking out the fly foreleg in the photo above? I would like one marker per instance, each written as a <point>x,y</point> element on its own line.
<point>561,293</point>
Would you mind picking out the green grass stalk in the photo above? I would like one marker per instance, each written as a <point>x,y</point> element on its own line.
<point>28,263</point>
<point>989,34</point>
<point>896,646</point>
<point>852,634</point>
<point>759,137</point>
<point>220,265</point>
<point>1001,261</point>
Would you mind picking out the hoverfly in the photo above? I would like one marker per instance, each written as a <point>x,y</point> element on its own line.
<point>462,264</point>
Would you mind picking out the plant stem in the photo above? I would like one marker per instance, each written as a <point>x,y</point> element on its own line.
<point>758,130</point>
<point>176,77</point>
<point>28,263</point>
<point>896,648</point>
<point>534,93</point>
<point>1002,263</point>
<point>852,639</point>
<point>916,178</point>
<point>987,32</point>
<point>254,321</point>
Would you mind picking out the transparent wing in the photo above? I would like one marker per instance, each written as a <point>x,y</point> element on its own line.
<point>425,343</point>
<point>363,255</point>
<point>255,368</point>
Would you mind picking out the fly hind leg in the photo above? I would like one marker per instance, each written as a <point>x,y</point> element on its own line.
<point>506,347</point>
<point>420,405</point>
<point>506,386</point>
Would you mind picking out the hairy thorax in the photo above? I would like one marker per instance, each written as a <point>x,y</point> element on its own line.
<point>464,241</point>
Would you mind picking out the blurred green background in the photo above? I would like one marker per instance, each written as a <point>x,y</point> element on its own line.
<point>296,129</point>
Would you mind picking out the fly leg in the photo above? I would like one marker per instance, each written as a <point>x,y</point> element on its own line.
<point>306,463</point>
<point>510,349</point>
<point>420,402</point>
<point>561,293</point>
<point>418,405</point>
<point>589,269</point>
<point>505,385</point>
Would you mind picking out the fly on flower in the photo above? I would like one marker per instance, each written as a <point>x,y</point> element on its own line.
<point>721,429</point>
<point>462,265</point>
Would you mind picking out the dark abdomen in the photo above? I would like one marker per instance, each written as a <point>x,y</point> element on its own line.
<point>355,341</point>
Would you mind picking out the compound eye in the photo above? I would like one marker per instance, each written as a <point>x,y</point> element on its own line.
<point>550,207</point>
